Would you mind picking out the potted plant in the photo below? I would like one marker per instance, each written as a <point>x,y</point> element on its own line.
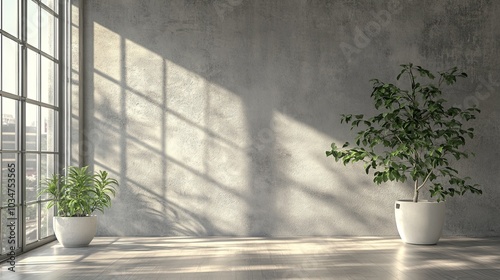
<point>414,136</point>
<point>76,196</point>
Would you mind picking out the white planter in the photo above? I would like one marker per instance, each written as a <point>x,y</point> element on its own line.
<point>419,223</point>
<point>75,231</point>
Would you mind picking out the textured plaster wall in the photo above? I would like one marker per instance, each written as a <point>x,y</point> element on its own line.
<point>215,115</point>
<point>75,97</point>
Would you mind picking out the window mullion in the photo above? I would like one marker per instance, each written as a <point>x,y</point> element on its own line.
<point>63,72</point>
<point>1,130</point>
<point>1,57</point>
<point>22,118</point>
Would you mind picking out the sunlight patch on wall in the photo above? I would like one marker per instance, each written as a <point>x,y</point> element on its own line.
<point>203,117</point>
<point>206,131</point>
<point>145,74</point>
<point>107,59</point>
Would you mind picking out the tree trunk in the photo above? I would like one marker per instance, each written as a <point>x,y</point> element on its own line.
<point>415,192</point>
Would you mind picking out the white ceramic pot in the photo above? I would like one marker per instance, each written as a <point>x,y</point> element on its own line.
<point>419,223</point>
<point>75,231</point>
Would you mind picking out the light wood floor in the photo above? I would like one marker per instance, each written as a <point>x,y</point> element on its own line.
<point>261,258</point>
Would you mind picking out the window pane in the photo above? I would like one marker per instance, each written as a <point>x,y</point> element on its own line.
<point>48,130</point>
<point>10,16</point>
<point>47,168</point>
<point>31,223</point>
<point>9,121</point>
<point>10,72</point>
<point>32,125</point>
<point>48,35</point>
<point>31,177</point>
<point>48,83</point>
<point>33,23</point>
<point>1,60</point>
<point>33,77</point>
<point>47,215</point>
<point>51,4</point>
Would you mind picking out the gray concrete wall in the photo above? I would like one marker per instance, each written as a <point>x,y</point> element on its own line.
<point>215,115</point>
<point>75,88</point>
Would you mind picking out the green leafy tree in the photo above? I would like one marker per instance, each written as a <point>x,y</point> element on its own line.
<point>79,193</point>
<point>415,136</point>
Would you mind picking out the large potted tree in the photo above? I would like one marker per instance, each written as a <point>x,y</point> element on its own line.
<point>416,136</point>
<point>76,196</point>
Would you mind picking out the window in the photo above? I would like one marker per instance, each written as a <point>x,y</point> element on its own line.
<point>30,113</point>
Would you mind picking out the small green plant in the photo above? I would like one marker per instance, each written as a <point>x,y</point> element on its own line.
<point>79,193</point>
<point>415,135</point>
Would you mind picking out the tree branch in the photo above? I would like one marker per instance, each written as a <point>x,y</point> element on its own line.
<point>425,181</point>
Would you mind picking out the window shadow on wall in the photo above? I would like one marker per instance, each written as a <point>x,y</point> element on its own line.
<point>218,125</point>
